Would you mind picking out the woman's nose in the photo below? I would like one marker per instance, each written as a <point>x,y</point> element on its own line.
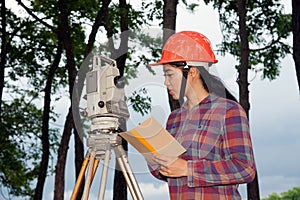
<point>166,82</point>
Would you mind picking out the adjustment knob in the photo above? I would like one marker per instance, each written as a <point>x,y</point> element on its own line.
<point>101,104</point>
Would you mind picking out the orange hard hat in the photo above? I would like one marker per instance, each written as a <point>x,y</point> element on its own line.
<point>187,46</point>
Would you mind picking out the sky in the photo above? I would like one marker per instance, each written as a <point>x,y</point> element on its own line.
<point>274,119</point>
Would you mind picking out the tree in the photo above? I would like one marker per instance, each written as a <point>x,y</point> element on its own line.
<point>3,50</point>
<point>15,150</point>
<point>296,37</point>
<point>120,54</point>
<point>293,194</point>
<point>254,32</point>
<point>21,130</point>
<point>252,188</point>
<point>66,39</point>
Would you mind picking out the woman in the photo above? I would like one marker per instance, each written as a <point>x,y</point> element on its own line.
<point>210,124</point>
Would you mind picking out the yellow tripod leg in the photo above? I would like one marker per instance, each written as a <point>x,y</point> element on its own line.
<point>80,176</point>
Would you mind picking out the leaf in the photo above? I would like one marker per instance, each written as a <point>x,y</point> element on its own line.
<point>140,102</point>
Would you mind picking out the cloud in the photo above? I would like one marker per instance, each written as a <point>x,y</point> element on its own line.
<point>277,184</point>
<point>92,195</point>
<point>149,191</point>
<point>155,191</point>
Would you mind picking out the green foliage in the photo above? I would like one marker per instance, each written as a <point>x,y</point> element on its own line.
<point>293,194</point>
<point>13,171</point>
<point>140,102</point>
<point>153,10</point>
<point>143,50</point>
<point>268,28</point>
<point>20,147</point>
<point>134,17</point>
<point>191,6</point>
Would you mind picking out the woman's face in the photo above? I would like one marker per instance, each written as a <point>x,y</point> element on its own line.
<point>173,78</point>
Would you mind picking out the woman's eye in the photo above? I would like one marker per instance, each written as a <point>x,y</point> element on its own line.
<point>168,75</point>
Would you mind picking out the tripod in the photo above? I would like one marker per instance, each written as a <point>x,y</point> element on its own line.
<point>106,105</point>
<point>100,145</point>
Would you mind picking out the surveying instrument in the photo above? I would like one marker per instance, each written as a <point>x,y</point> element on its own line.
<point>105,106</point>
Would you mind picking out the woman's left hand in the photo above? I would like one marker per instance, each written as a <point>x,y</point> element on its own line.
<point>171,166</point>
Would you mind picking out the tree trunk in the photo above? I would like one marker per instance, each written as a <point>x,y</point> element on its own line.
<point>252,188</point>
<point>296,37</point>
<point>169,18</point>
<point>244,63</point>
<point>65,36</point>
<point>59,187</point>
<point>38,194</point>
<point>120,186</point>
<point>169,27</point>
<point>79,157</point>
<point>45,127</point>
<point>3,50</point>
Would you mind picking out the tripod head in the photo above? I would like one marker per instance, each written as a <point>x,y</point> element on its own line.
<point>105,96</point>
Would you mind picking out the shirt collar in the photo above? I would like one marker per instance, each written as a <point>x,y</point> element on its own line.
<point>210,98</point>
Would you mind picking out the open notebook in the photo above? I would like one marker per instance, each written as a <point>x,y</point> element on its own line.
<point>150,138</point>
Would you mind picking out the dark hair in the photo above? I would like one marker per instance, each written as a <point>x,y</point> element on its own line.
<point>213,84</point>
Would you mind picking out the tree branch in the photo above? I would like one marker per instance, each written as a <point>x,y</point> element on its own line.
<point>3,51</point>
<point>268,46</point>
<point>36,17</point>
<point>99,20</point>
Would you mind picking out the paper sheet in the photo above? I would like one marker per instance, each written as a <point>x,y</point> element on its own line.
<point>151,138</point>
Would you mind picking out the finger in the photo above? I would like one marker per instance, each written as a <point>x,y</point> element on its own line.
<point>169,162</point>
<point>159,160</point>
<point>163,168</point>
<point>164,160</point>
<point>164,171</point>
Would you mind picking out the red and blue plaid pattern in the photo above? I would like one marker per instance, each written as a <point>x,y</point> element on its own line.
<point>219,150</point>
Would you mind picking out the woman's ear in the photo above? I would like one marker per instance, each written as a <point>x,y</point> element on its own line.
<point>194,72</point>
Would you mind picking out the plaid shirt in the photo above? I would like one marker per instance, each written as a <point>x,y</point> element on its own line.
<point>219,150</point>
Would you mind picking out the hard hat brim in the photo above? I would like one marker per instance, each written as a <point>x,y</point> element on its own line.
<point>163,62</point>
